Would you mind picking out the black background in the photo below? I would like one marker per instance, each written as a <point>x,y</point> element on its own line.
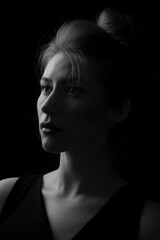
<point>24,29</point>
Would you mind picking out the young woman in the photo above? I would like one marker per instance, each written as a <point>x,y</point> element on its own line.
<point>87,85</point>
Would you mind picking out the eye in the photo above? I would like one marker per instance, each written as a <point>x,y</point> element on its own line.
<point>74,90</point>
<point>45,89</point>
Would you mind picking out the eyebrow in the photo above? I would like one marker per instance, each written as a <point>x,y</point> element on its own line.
<point>46,79</point>
<point>74,79</point>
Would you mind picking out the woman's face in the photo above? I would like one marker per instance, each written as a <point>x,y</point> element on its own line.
<point>79,111</point>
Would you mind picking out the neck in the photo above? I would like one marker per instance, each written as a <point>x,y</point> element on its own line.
<point>87,172</point>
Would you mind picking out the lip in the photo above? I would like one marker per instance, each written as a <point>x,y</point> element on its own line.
<point>48,127</point>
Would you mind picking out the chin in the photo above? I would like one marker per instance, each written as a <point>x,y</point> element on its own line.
<point>53,147</point>
<point>50,148</point>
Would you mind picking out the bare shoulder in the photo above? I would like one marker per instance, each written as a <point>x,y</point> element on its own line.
<point>150,221</point>
<point>5,187</point>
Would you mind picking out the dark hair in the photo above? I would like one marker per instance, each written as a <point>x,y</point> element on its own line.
<point>111,39</point>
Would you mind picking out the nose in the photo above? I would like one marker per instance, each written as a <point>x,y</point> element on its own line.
<point>50,105</point>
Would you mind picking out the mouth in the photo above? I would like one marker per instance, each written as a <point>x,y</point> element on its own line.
<point>49,127</point>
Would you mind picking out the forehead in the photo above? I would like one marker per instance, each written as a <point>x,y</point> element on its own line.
<point>62,66</point>
<point>58,67</point>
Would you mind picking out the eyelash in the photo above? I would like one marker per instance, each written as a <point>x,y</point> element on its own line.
<point>43,87</point>
<point>77,89</point>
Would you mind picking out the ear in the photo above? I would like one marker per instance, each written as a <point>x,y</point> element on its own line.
<point>118,116</point>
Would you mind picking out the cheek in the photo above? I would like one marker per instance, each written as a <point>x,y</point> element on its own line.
<point>39,103</point>
<point>87,115</point>
<point>93,115</point>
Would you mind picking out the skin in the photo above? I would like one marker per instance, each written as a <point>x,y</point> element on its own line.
<point>85,120</point>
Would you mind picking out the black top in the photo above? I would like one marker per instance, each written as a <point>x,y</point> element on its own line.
<point>23,216</point>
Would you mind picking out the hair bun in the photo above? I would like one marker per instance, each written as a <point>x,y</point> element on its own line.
<point>121,26</point>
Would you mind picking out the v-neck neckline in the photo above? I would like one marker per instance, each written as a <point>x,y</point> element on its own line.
<point>90,222</point>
